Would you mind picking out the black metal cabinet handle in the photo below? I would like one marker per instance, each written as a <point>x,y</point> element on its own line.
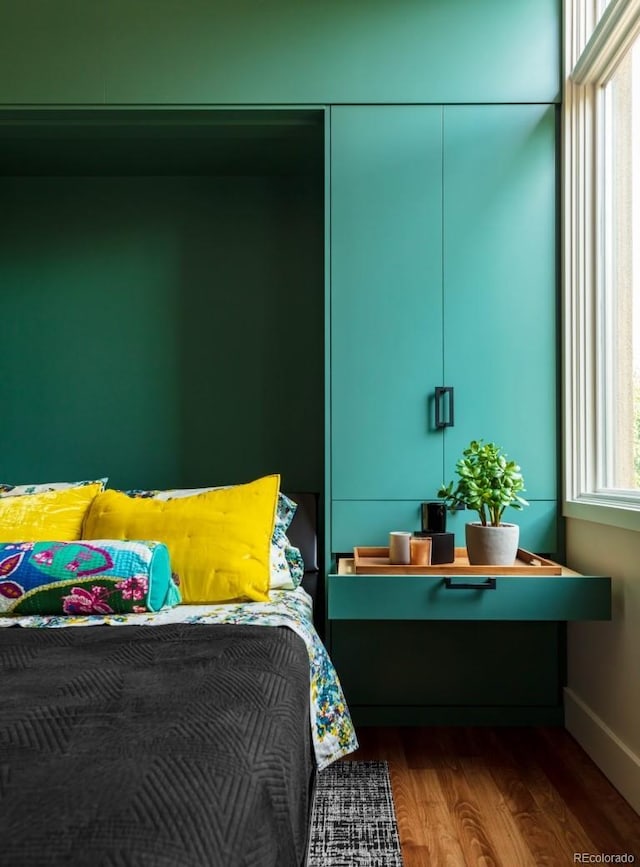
<point>487,584</point>
<point>441,392</point>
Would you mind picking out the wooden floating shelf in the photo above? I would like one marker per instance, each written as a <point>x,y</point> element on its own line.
<point>375,561</point>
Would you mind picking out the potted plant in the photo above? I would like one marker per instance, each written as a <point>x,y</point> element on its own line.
<point>488,482</point>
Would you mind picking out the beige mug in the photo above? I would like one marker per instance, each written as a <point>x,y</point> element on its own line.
<point>399,548</point>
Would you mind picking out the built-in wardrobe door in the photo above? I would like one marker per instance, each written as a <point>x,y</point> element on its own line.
<point>386,304</point>
<point>500,295</point>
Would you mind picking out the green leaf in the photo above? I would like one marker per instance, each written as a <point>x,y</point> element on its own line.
<point>488,482</point>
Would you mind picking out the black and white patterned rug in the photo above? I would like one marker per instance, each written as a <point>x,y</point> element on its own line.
<point>353,821</point>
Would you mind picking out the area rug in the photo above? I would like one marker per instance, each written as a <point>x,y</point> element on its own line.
<point>353,821</point>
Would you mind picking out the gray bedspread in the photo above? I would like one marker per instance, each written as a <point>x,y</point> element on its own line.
<point>172,746</point>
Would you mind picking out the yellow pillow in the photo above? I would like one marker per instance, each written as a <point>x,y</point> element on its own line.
<point>219,541</point>
<point>54,515</point>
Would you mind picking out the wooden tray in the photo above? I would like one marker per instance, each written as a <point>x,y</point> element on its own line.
<point>375,561</point>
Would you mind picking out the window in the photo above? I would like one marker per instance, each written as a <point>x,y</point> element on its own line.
<point>602,259</point>
<point>619,289</point>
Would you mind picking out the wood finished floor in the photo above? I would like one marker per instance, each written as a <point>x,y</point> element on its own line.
<point>499,797</point>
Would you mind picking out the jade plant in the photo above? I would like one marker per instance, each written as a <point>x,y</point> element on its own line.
<point>488,482</point>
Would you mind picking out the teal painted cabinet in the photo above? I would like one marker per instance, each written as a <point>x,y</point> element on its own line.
<point>443,272</point>
<point>442,649</point>
<point>499,240</point>
<point>386,300</point>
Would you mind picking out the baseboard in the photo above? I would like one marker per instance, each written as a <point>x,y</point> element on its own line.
<point>614,758</point>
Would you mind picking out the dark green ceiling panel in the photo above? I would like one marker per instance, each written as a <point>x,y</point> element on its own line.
<point>282,52</point>
<point>52,52</point>
<point>331,51</point>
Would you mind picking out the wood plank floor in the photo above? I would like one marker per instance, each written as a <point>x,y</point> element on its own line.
<point>499,797</point>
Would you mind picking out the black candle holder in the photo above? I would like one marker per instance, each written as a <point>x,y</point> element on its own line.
<point>434,516</point>
<point>434,525</point>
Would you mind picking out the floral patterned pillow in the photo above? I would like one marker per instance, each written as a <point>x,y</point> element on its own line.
<point>285,511</point>
<point>104,576</point>
<point>7,490</point>
<point>286,566</point>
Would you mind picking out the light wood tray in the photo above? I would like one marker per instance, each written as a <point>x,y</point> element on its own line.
<point>375,561</point>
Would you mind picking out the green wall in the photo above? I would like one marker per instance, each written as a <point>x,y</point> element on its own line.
<point>170,293</point>
<point>162,330</point>
<point>283,51</point>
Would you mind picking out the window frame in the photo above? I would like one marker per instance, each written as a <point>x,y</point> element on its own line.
<point>592,52</point>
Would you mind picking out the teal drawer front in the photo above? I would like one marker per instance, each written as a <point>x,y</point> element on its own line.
<point>432,597</point>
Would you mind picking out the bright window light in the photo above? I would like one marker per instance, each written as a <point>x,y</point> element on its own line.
<point>601,261</point>
<point>619,284</point>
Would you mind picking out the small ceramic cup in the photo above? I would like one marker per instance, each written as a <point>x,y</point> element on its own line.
<point>399,548</point>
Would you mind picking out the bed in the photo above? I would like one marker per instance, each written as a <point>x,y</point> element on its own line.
<point>184,737</point>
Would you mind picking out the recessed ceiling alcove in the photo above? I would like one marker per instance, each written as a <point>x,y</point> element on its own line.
<point>161,142</point>
<point>162,295</point>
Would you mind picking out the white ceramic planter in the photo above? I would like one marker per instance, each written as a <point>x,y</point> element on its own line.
<point>492,546</point>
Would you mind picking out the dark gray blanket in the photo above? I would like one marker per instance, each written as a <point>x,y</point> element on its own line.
<point>171,746</point>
